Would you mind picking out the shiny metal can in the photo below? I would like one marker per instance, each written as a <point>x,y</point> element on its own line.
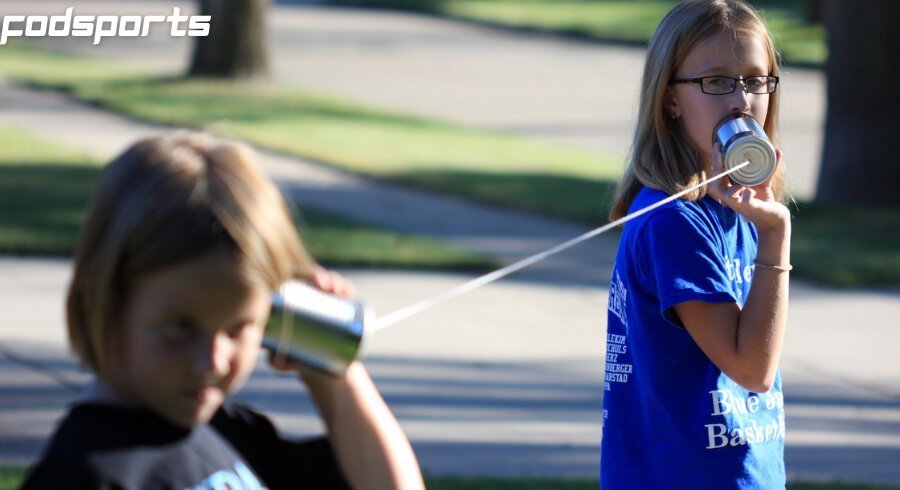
<point>743,139</point>
<point>317,329</point>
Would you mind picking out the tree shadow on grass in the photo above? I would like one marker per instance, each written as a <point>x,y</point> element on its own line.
<point>42,206</point>
<point>577,199</point>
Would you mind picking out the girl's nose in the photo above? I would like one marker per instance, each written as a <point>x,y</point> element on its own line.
<point>214,355</point>
<point>739,99</point>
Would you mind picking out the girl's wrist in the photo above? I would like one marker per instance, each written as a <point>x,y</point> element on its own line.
<point>777,229</point>
<point>774,247</point>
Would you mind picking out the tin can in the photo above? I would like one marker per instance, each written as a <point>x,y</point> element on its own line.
<point>317,329</point>
<point>743,139</point>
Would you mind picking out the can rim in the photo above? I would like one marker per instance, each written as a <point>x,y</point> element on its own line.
<point>729,117</point>
<point>746,176</point>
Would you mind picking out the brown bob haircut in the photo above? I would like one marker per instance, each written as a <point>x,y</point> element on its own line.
<point>166,200</point>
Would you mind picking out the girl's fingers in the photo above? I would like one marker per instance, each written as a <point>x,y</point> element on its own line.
<point>331,282</point>
<point>280,362</point>
<point>340,285</point>
<point>733,193</point>
<point>320,278</point>
<point>753,203</point>
<point>747,196</point>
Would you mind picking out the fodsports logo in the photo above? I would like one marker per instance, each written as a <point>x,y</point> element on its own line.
<point>101,26</point>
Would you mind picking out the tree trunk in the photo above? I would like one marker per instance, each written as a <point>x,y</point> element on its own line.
<point>236,45</point>
<point>815,11</point>
<point>860,164</point>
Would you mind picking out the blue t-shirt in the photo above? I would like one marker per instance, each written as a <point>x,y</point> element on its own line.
<point>671,418</point>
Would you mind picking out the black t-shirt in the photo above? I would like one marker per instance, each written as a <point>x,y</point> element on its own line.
<point>107,447</point>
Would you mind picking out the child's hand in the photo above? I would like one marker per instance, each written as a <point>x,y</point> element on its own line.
<point>756,204</point>
<point>331,282</point>
<point>309,375</point>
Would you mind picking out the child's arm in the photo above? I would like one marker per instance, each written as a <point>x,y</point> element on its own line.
<point>368,441</point>
<point>746,343</point>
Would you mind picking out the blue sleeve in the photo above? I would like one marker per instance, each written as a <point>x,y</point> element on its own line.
<point>682,260</point>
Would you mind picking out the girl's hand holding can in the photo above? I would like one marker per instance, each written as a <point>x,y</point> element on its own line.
<point>329,281</point>
<point>756,204</point>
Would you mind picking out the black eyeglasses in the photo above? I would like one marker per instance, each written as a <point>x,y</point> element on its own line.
<point>720,85</point>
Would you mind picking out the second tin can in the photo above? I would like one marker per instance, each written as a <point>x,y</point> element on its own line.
<point>316,329</point>
<point>743,139</point>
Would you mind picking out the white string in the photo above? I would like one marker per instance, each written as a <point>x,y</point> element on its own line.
<point>490,277</point>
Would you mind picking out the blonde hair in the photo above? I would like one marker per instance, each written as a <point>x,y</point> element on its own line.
<point>662,156</point>
<point>166,200</point>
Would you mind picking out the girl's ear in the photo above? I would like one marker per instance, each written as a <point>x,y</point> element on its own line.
<point>671,104</point>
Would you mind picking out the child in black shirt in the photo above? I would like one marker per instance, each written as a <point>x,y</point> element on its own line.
<point>184,243</point>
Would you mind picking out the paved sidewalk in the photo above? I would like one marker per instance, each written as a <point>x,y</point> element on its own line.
<point>504,381</point>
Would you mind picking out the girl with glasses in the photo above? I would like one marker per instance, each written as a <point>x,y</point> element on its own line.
<point>698,297</point>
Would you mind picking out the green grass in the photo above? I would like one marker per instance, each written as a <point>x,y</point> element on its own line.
<point>846,246</point>
<point>630,21</point>
<point>488,166</point>
<point>370,141</point>
<point>45,188</point>
<point>484,483</point>
<point>453,483</point>
<point>838,486</point>
<point>11,478</point>
<point>333,240</point>
<point>798,41</point>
